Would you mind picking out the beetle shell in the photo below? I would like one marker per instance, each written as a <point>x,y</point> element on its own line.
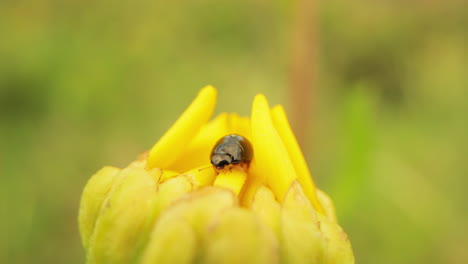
<point>231,150</point>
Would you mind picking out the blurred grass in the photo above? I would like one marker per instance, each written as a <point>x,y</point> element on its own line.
<point>89,83</point>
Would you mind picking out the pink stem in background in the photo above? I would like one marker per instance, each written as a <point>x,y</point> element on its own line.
<point>303,68</point>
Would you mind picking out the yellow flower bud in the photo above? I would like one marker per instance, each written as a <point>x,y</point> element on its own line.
<point>173,206</point>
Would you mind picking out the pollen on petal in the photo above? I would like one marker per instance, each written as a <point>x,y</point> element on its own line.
<point>281,123</point>
<point>168,149</point>
<point>271,155</point>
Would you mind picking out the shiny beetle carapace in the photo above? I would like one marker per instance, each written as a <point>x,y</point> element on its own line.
<point>231,150</point>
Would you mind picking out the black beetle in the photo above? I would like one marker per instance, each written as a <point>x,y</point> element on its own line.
<point>231,150</point>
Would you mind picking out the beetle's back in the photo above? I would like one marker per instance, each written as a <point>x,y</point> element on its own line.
<point>236,146</point>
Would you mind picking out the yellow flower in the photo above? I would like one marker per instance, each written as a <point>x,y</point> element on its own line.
<point>172,206</point>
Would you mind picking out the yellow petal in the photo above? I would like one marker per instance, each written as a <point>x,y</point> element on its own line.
<point>327,205</point>
<point>198,152</point>
<point>172,243</point>
<point>267,208</point>
<point>271,155</point>
<point>125,218</point>
<point>199,208</point>
<point>163,245</point>
<point>202,176</point>
<point>239,125</point>
<point>302,240</point>
<point>281,123</point>
<point>169,148</point>
<point>168,174</point>
<point>238,237</point>
<point>232,179</point>
<point>171,190</point>
<point>95,192</point>
<point>337,248</point>
<point>255,179</point>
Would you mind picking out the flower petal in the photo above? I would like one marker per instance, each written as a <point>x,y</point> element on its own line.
<point>310,237</point>
<point>167,174</point>
<point>94,194</point>
<point>302,240</point>
<point>232,179</point>
<point>125,218</point>
<point>271,155</point>
<point>198,151</point>
<point>203,175</point>
<point>171,190</point>
<point>172,243</point>
<point>267,208</point>
<point>255,179</point>
<point>169,148</point>
<point>163,245</point>
<point>200,207</point>
<point>237,236</point>
<point>337,245</point>
<point>281,123</point>
<point>327,205</point>
<point>239,125</point>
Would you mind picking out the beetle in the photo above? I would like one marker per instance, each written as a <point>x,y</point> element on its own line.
<point>231,150</point>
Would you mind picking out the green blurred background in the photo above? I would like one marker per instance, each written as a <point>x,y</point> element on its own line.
<point>377,91</point>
